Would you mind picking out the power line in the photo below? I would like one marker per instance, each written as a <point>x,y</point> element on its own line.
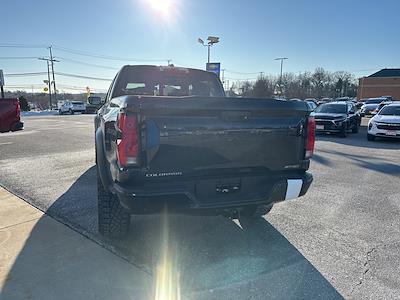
<point>80,88</point>
<point>87,64</point>
<point>82,76</point>
<point>22,46</point>
<point>18,57</point>
<point>242,73</point>
<point>57,73</point>
<point>25,74</point>
<point>96,55</point>
<point>36,85</point>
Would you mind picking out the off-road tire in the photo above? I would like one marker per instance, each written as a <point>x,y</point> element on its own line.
<point>113,220</point>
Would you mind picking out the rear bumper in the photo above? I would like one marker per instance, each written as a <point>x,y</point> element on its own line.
<point>394,134</point>
<point>211,196</point>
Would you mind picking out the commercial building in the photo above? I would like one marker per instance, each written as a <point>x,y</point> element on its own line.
<point>385,82</point>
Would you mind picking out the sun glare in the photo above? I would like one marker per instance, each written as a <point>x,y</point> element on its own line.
<point>161,6</point>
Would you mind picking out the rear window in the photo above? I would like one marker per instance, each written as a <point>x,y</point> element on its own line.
<point>167,81</point>
<point>77,102</point>
<point>374,101</point>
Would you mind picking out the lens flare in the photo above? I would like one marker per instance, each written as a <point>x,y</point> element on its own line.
<point>167,281</point>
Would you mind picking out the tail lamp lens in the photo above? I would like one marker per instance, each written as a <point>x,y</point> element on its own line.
<point>128,143</point>
<point>310,137</point>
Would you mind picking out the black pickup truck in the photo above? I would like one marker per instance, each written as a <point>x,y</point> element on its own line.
<point>168,137</point>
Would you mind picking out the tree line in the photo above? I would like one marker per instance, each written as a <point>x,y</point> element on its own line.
<point>318,84</point>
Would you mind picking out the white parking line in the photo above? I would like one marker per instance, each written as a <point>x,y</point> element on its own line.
<point>6,143</point>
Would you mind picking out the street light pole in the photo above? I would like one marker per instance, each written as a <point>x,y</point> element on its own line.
<point>280,78</point>
<point>211,41</point>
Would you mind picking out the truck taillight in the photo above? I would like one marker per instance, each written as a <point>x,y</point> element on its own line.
<point>128,141</point>
<point>17,109</point>
<point>310,137</point>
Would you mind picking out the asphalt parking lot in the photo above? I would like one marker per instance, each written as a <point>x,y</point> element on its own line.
<point>341,239</point>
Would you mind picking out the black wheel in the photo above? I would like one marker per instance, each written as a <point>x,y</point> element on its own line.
<point>255,211</point>
<point>370,137</point>
<point>343,132</point>
<point>355,128</point>
<point>71,112</point>
<point>113,220</point>
<point>60,112</point>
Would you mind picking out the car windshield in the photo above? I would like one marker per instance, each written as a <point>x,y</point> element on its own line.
<point>390,110</point>
<point>77,102</point>
<point>332,108</point>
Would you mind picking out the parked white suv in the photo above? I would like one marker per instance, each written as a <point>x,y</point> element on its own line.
<point>71,107</point>
<point>386,123</point>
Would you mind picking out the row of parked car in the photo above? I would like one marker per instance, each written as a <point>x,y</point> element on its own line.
<point>343,115</point>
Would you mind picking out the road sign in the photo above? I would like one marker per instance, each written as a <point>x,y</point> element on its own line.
<point>214,67</point>
<point>1,78</point>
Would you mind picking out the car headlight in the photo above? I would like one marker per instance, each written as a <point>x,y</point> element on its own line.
<point>370,125</point>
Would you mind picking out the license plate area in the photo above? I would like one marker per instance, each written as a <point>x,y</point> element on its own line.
<point>233,189</point>
<point>391,133</point>
<point>223,188</point>
<point>320,127</point>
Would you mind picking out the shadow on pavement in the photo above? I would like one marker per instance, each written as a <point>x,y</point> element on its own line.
<point>322,160</point>
<point>360,140</point>
<point>213,257</point>
<point>376,164</point>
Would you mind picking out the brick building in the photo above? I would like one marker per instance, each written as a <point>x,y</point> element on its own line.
<point>385,82</point>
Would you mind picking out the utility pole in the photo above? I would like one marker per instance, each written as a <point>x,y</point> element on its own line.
<point>48,79</point>
<point>52,71</point>
<point>280,78</point>
<point>2,83</point>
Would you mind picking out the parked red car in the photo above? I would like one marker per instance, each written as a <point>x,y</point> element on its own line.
<point>10,112</point>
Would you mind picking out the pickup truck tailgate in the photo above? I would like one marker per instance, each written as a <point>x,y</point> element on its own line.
<point>192,134</point>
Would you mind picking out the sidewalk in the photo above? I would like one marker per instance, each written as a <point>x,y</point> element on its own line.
<point>41,258</point>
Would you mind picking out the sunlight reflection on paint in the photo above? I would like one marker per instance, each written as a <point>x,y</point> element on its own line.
<point>167,281</point>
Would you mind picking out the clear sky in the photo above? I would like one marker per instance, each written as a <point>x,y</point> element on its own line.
<point>353,35</point>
